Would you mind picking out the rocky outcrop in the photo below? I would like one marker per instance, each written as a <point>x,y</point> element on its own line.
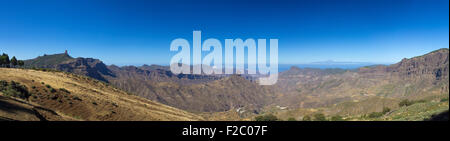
<point>433,65</point>
<point>86,66</point>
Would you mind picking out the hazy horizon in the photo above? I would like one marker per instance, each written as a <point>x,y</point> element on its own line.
<point>319,64</point>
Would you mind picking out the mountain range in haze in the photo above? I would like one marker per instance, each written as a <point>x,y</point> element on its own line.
<point>299,92</point>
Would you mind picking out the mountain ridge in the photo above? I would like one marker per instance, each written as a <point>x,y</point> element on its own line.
<point>296,88</point>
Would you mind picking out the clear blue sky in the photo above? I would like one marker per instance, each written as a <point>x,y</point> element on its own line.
<point>140,32</point>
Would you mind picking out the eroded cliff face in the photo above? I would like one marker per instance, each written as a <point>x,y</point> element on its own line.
<point>433,65</point>
<point>413,78</point>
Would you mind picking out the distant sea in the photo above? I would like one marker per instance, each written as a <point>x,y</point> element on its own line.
<point>284,67</point>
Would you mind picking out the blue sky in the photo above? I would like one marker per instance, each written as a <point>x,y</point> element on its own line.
<point>139,32</point>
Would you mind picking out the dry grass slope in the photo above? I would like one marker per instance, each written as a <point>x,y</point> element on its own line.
<point>86,99</point>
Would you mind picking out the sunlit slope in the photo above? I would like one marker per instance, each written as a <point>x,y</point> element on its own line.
<point>74,97</point>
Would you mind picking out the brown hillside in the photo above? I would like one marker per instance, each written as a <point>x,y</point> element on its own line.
<point>81,98</point>
<point>216,96</point>
<point>414,78</point>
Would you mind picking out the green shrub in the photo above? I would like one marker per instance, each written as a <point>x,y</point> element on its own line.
<point>14,89</point>
<point>386,110</point>
<point>52,90</point>
<point>444,99</point>
<point>48,86</point>
<point>268,117</point>
<point>320,117</point>
<point>363,116</point>
<point>306,118</point>
<point>337,118</point>
<point>375,114</point>
<point>77,98</point>
<point>405,102</point>
<point>419,101</point>
<point>3,84</point>
<point>291,119</point>
<point>64,90</point>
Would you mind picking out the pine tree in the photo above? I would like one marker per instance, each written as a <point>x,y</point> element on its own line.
<point>13,61</point>
<point>4,60</point>
<point>21,63</point>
